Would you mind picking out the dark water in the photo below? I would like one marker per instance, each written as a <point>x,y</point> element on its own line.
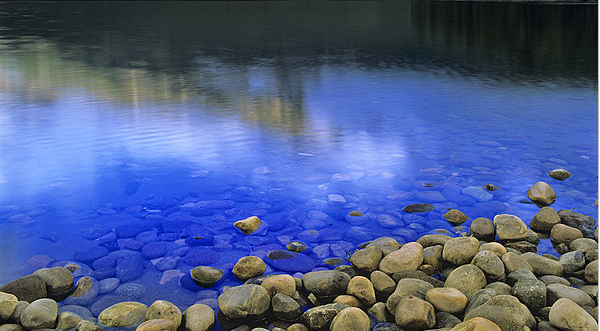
<point>116,114</point>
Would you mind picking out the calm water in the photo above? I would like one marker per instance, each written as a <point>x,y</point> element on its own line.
<point>120,114</point>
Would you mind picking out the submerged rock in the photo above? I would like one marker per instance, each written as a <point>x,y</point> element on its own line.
<point>418,208</point>
<point>244,301</point>
<point>560,174</point>
<point>541,194</point>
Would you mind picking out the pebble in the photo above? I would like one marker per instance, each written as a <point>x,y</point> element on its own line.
<point>157,325</point>
<point>67,320</point>
<point>248,267</point>
<point>367,259</point>
<point>408,257</point>
<point>123,314</point>
<point>560,174</point>
<point>460,250</point>
<point>447,299</point>
<point>545,219</point>
<point>351,319</point>
<point>320,318</point>
<point>285,308</point>
<point>326,283</point>
<point>541,194</point>
<point>562,233</point>
<point>40,314</point>
<point>467,278</point>
<point>251,301</point>
<point>414,313</point>
<point>505,311</point>
<point>482,228</point>
<point>455,217</point>
<point>567,315</point>
<point>8,304</point>
<point>248,225</point>
<point>418,208</point>
<point>162,309</point>
<point>206,276</point>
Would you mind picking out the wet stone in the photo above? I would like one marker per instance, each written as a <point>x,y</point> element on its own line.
<point>460,250</point>
<point>157,325</point>
<point>85,291</point>
<point>289,261</point>
<point>129,267</point>
<point>286,308</point>
<point>198,317</point>
<point>418,208</point>
<point>123,314</point>
<point>108,285</point>
<point>483,229</point>
<point>558,291</point>
<point>67,320</point>
<point>531,292</point>
<point>319,318</point>
<point>326,283</point>
<point>130,291</point>
<point>8,304</point>
<point>408,257</point>
<point>91,254</point>
<point>251,301</point>
<point>206,276</point>
<point>542,265</point>
<point>59,281</point>
<point>408,286</point>
<point>560,174</point>
<point>545,219</point>
<point>490,264</point>
<point>248,225</point>
<point>541,194</point>
<point>584,223</point>
<point>479,298</point>
<point>510,227</point>
<point>198,257</point>
<point>40,314</point>
<point>506,312</point>
<point>16,314</point>
<point>467,278</point>
<point>351,319</point>
<point>572,262</point>
<point>567,315</point>
<point>455,217</point>
<point>414,313</point>
<point>248,267</point>
<point>162,309</point>
<point>447,299</point>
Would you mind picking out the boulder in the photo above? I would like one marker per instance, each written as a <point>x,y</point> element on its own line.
<point>482,229</point>
<point>59,281</point>
<point>245,301</point>
<point>27,288</point>
<point>408,257</point>
<point>326,283</point>
<point>367,259</point>
<point>541,194</point>
<point>162,309</point>
<point>562,233</point>
<point>510,227</point>
<point>490,264</point>
<point>320,318</point>
<point>543,265</point>
<point>476,324</point>
<point>505,311</point>
<point>362,288</point>
<point>455,217</point>
<point>567,315</point>
<point>351,319</point>
<point>467,278</point>
<point>285,308</point>
<point>560,174</point>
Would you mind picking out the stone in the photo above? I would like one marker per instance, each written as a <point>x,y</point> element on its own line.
<point>11,327</point>
<point>482,229</point>
<point>584,223</point>
<point>432,255</point>
<point>541,194</point>
<point>367,259</point>
<point>567,315</point>
<point>244,301</point>
<point>433,240</point>
<point>40,314</point>
<point>521,246</point>
<point>476,324</point>
<point>16,315</point>
<point>85,325</point>
<point>297,327</point>
<point>59,281</point>
<point>67,321</point>
<point>467,278</point>
<point>491,265</point>
<point>477,192</point>
<point>572,262</point>
<point>513,261</point>
<point>320,318</point>
<point>444,320</point>
<point>122,314</point>
<point>386,327</point>
<point>279,284</point>
<point>326,283</point>
<point>157,325</point>
<point>380,313</point>
<point>108,285</point>
<point>86,290</point>
<point>583,245</point>
<point>500,288</point>
<point>545,219</point>
<point>248,225</point>
<point>546,325</point>
<point>289,261</point>
<point>559,291</point>
<point>414,313</point>
<point>285,308</point>
<point>418,208</point>
<point>198,317</point>
<point>408,286</point>
<point>129,267</point>
<point>543,265</point>
<point>348,300</point>
<point>562,233</point>
<point>447,299</point>
<point>382,283</point>
<point>296,246</point>
<point>510,227</point>
<point>460,250</point>
<point>206,276</point>
<point>8,304</point>
<point>162,309</point>
<point>551,279</point>
<point>479,298</point>
<point>27,288</point>
<point>386,244</point>
<point>78,310</point>
<point>408,257</point>
<point>560,174</point>
<point>519,274</point>
<point>248,267</point>
<point>154,250</point>
<point>455,217</point>
<point>362,288</point>
<point>591,272</point>
<point>530,292</point>
<point>89,255</point>
<point>505,311</point>
<point>351,319</point>
<point>417,274</point>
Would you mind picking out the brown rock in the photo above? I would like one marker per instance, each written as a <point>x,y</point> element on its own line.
<point>510,227</point>
<point>433,239</point>
<point>482,229</point>
<point>467,278</point>
<point>361,288</point>
<point>561,233</point>
<point>505,311</point>
<point>494,247</point>
<point>567,315</point>
<point>367,259</point>
<point>545,219</point>
<point>248,225</point>
<point>455,217</point>
<point>279,284</point>
<point>386,244</point>
<point>460,250</point>
<point>248,267</point>
<point>414,313</point>
<point>162,309</point>
<point>351,319</point>
<point>591,272</point>
<point>157,325</point>
<point>541,194</point>
<point>476,324</point>
<point>447,299</point>
<point>408,257</point>
<point>513,261</point>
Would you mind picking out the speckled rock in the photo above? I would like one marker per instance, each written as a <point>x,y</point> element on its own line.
<point>510,227</point>
<point>386,244</point>
<point>505,311</point>
<point>460,250</point>
<point>162,309</point>
<point>8,304</point>
<point>476,324</point>
<point>85,325</point>
<point>531,292</point>
<point>414,313</point>
<point>408,257</point>
<point>562,233</point>
<point>447,299</point>
<point>248,225</point>
<point>519,274</point>
<point>279,284</point>
<point>455,217</point>
<point>408,286</point>
<point>198,317</point>
<point>157,325</point>
<point>27,288</point>
<point>382,283</point>
<point>206,276</point>
<point>40,314</point>
<point>67,320</point>
<point>500,288</point>
<point>362,288</point>
<point>482,229</point>
<point>558,291</point>
<point>326,283</point>
<point>16,315</point>
<point>445,321</point>
<point>123,314</point>
<point>367,259</point>
<point>583,245</point>
<point>541,194</point>
<point>285,308</point>
<point>490,264</point>
<point>513,261</point>
<point>320,318</point>
<point>572,262</point>
<point>545,219</point>
<point>560,174</point>
<point>243,301</point>
<point>479,298</point>
<point>11,327</point>
<point>248,267</point>
<point>467,278</point>
<point>418,208</point>
<point>567,315</point>
<point>543,265</point>
<point>584,223</point>
<point>351,319</point>
<point>591,272</point>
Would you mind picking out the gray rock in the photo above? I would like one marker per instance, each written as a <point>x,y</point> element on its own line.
<point>510,227</point>
<point>467,278</point>
<point>530,292</point>
<point>560,174</point>
<point>11,327</point>
<point>319,318</point>
<point>583,245</point>
<point>206,276</point>
<point>551,279</point>
<point>28,288</point>
<point>479,298</point>
<point>326,283</point>
<point>198,317</point>
<point>67,320</point>
<point>543,265</point>
<point>386,244</point>
<point>558,291</point>
<point>490,264</point>
<point>408,257</point>
<point>545,219</point>
<point>506,311</point>
<point>408,286</point>
<point>460,250</point>
<point>584,223</point>
<point>285,308</point>
<point>40,314</point>
<point>382,283</point>
<point>361,288</point>
<point>500,288</point>
<point>567,315</point>
<point>564,234</point>
<point>546,326</point>
<point>418,208</point>
<point>591,272</point>
<point>88,326</point>
<point>245,301</point>
<point>59,281</point>
<point>513,261</point>
<point>445,320</point>
<point>16,315</point>
<point>482,229</point>
<point>386,327</point>
<point>455,217</point>
<point>572,261</point>
<point>541,194</point>
<point>519,274</point>
<point>248,267</point>
<point>432,255</point>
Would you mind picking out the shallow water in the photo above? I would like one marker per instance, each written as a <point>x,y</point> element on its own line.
<point>115,114</point>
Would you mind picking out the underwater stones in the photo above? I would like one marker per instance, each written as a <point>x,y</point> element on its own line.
<point>320,318</point>
<point>132,229</point>
<point>447,299</point>
<point>129,267</point>
<point>8,304</point>
<point>59,281</point>
<point>198,317</point>
<point>154,250</point>
<point>326,283</point>
<point>108,285</point>
<point>505,311</point>
<point>248,225</point>
<point>510,227</point>
<point>27,288</point>
<point>367,259</point>
<point>123,314</point>
<point>414,313</point>
<point>289,261</point>
<point>408,257</point>
<point>567,315</point>
<point>545,219</point>
<point>351,319</point>
<point>285,308</point>
<point>336,199</point>
<point>560,174</point>
<point>206,276</point>
<point>541,194</point>
<point>356,218</point>
<point>67,320</point>
<point>477,192</point>
<point>40,314</point>
<point>162,309</point>
<point>89,255</point>
<point>244,301</point>
<point>542,265</point>
<point>388,221</point>
<point>84,292</point>
<point>418,208</point>
<point>200,256</point>
<point>248,267</point>
<point>455,217</point>
<point>460,250</point>
<point>467,278</point>
<point>584,223</point>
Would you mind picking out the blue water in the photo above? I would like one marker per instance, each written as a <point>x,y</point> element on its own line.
<point>107,121</point>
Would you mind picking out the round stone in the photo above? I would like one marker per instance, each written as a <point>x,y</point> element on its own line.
<point>476,324</point>
<point>531,292</point>
<point>467,278</point>
<point>351,319</point>
<point>289,261</point>
<point>248,267</point>
<point>447,299</point>
<point>583,245</point>
<point>572,262</point>
<point>568,315</point>
<point>493,247</point>
<point>460,250</point>
<point>59,281</point>
<point>326,283</point>
<point>482,229</point>
<point>562,233</point>
<point>543,265</point>
<point>455,217</point>
<point>432,255</point>
<point>319,318</point>
<point>40,314</point>
<point>285,308</point>
<point>433,240</point>
<point>408,257</point>
<point>362,288</point>
<point>541,194</point>
<point>505,311</point>
<point>123,314</point>
<point>558,291</point>
<point>591,272</point>
<point>386,244</point>
<point>418,208</point>
<point>490,264</point>
<point>27,288</point>
<point>414,313</point>
<point>157,325</point>
<point>560,174</point>
<point>296,246</point>
<point>367,259</point>
<point>206,276</point>
<point>510,227</point>
<point>8,304</point>
<point>198,317</point>
<point>162,309</point>
<point>513,261</point>
<point>382,283</point>
<point>408,286</point>
<point>86,290</point>
<point>279,284</point>
<point>348,300</point>
<point>67,320</point>
<point>248,225</point>
<point>545,219</point>
<point>245,301</point>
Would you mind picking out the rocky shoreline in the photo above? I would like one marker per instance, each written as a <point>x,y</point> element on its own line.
<point>491,278</point>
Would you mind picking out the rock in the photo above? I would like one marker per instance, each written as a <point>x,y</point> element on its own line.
<point>84,325</point>
<point>567,315</point>
<point>572,262</point>
<point>467,278</point>
<point>367,259</point>
<point>16,315</point>
<point>433,240</point>
<point>8,304</point>
<point>551,279</point>
<point>361,288</point>
<point>521,246</point>
<point>248,225</point>
<point>477,192</point>
<point>455,217</point>
<point>482,229</point>
<point>559,291</point>
<point>248,267</point>
<point>108,285</point>
<point>285,308</point>
<point>546,326</point>
<point>510,227</point>
<point>530,292</point>
<point>584,223</point>
<point>460,250</point>
<point>414,313</point>
<point>444,320</point>
<point>519,274</point>
<point>417,274</point>
<point>320,318</point>
<point>408,257</point>
<point>380,313</point>
<point>154,250</point>
<point>479,298</point>
<point>162,309</point>
<point>279,284</point>
<point>289,261</point>
<point>67,321</point>
<point>296,246</point>
<point>447,299</point>
<point>85,291</point>
<point>245,301</point>
<point>591,255</point>
<point>505,311</point>
<point>543,265</point>
<point>40,314</point>
<point>198,317</point>
<point>490,264</point>
<point>560,174</point>
<point>122,314</point>
<point>157,325</point>
<point>386,327</point>
<point>206,276</point>
<point>348,300</point>
<point>477,324</point>
<point>326,283</point>
<point>408,286</point>
<point>89,255</point>
<point>583,245</point>
<point>11,327</point>
<point>386,244</point>
<point>59,281</point>
<point>433,256</point>
<point>541,194</point>
<point>561,233</point>
<point>78,310</point>
<point>351,319</point>
<point>545,219</point>
<point>129,267</point>
<point>297,327</point>
<point>27,288</point>
<point>513,261</point>
<point>382,283</point>
<point>591,272</point>
<point>418,208</point>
